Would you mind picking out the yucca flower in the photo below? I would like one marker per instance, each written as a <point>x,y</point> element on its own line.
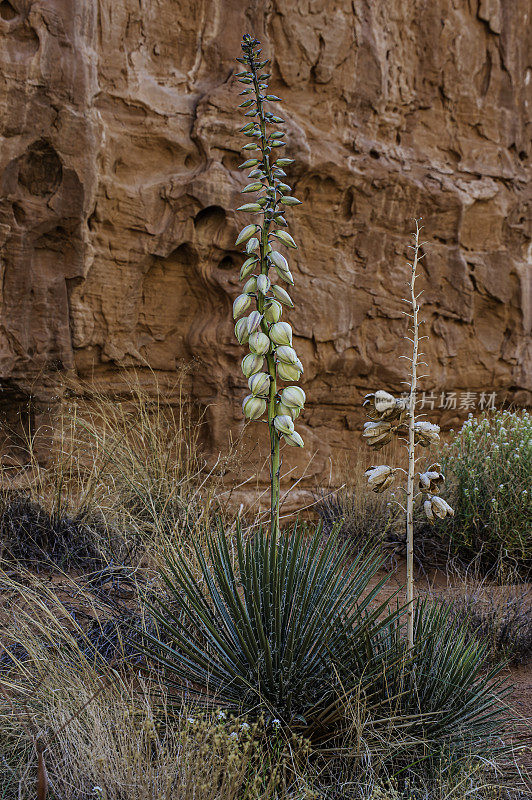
<point>253,407</point>
<point>269,340</point>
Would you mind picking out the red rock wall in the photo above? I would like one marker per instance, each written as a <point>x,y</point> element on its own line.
<point>118,172</point>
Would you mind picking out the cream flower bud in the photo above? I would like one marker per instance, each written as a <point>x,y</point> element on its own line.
<point>254,320</point>
<point>246,233</point>
<point>280,408</point>
<point>259,344</point>
<point>251,364</point>
<point>281,333</point>
<point>294,439</point>
<point>281,265</point>
<point>293,396</point>
<point>259,384</point>
<point>285,238</point>
<point>253,407</point>
<point>280,294</point>
<point>263,284</point>
<point>287,372</point>
<point>241,303</point>
<point>252,245</point>
<point>247,267</point>
<point>241,330</point>
<point>278,260</point>
<point>380,478</point>
<point>250,286</point>
<point>283,424</point>
<point>273,311</point>
<point>286,354</point>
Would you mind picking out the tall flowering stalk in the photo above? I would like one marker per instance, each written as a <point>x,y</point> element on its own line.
<point>391,416</point>
<point>271,358</point>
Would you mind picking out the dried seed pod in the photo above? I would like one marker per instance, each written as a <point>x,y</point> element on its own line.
<point>431,481</point>
<point>426,433</point>
<point>377,434</point>
<point>435,506</point>
<point>380,478</point>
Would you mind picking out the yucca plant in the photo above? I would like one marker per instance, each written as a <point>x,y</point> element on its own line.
<point>396,416</point>
<point>276,625</point>
<point>269,339</point>
<point>446,697</point>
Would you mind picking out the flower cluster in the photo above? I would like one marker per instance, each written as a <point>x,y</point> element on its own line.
<point>271,356</point>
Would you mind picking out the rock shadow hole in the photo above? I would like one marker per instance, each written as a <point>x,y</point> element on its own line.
<point>7,12</point>
<point>40,170</point>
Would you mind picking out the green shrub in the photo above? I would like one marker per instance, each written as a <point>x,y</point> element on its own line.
<point>489,469</point>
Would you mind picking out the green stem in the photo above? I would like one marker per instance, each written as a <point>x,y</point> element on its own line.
<point>275,460</point>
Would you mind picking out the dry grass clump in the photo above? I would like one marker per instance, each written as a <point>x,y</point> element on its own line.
<point>123,472</point>
<point>106,732</point>
<point>362,518</point>
<point>500,615</point>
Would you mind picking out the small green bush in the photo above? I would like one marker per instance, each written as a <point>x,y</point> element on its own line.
<point>489,469</point>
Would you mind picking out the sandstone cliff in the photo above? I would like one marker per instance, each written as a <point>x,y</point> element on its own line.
<point>118,174</point>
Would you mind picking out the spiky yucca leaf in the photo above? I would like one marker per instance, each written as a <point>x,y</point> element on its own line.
<point>276,624</point>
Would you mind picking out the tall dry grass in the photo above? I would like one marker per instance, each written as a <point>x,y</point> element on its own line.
<point>123,474</point>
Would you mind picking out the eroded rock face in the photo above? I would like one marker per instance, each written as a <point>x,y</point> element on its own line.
<point>119,180</point>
